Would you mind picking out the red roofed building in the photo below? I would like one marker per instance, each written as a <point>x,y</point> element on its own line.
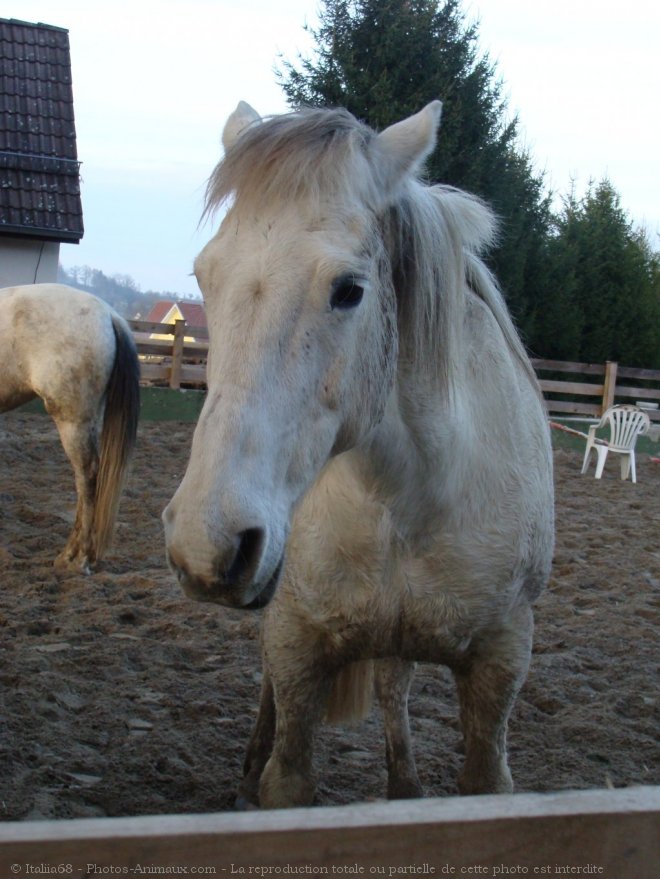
<point>169,312</point>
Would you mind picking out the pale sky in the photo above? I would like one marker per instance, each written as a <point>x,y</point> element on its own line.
<point>154,81</point>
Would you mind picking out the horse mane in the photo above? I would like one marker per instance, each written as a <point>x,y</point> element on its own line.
<point>295,155</point>
<point>435,235</point>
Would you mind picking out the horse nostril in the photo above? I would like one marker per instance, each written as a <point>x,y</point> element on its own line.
<point>248,554</point>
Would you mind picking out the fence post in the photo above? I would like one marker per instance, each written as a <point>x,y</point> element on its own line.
<point>177,353</point>
<point>609,385</point>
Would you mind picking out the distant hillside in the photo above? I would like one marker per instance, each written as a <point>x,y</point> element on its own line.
<point>119,291</point>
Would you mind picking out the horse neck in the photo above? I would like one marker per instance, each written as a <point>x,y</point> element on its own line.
<point>406,458</point>
<point>406,455</point>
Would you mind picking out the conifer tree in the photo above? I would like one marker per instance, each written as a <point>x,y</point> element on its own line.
<point>606,278</point>
<point>384,60</point>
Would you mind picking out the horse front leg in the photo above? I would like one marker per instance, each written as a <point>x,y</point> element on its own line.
<point>81,447</point>
<point>259,748</point>
<point>301,686</point>
<point>487,690</point>
<point>393,678</point>
<point>288,778</point>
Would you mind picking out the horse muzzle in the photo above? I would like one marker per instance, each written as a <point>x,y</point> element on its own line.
<point>242,582</point>
<point>226,546</point>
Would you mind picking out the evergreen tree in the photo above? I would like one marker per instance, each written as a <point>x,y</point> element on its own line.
<point>384,60</point>
<point>606,278</point>
<point>558,320</point>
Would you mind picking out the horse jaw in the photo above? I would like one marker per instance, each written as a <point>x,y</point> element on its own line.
<point>243,116</point>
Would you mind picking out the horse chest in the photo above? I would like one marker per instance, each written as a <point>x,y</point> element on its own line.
<point>366,595</point>
<point>361,617</point>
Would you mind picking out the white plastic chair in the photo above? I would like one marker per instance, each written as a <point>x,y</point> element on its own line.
<point>626,423</point>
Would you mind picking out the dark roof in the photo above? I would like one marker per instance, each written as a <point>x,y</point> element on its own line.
<point>39,168</point>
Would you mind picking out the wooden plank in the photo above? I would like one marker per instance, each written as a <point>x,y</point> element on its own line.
<point>613,834</point>
<point>632,372</point>
<point>566,366</point>
<point>147,326</point>
<point>197,332</point>
<point>177,353</point>
<point>195,349</point>
<point>573,408</point>
<point>609,384</point>
<point>164,347</point>
<point>586,388</point>
<point>191,374</point>
<point>157,347</point>
<point>638,393</point>
<point>154,371</point>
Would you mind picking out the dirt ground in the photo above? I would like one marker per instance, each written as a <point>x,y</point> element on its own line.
<point>119,696</point>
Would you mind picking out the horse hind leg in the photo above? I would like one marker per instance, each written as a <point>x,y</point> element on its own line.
<point>393,678</point>
<point>81,446</point>
<point>259,748</point>
<point>487,689</point>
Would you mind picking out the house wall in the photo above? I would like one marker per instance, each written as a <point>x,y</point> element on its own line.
<point>28,261</point>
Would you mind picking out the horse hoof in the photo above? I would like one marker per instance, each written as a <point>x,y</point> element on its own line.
<point>75,560</point>
<point>408,790</point>
<point>64,563</point>
<point>74,565</point>
<point>242,804</point>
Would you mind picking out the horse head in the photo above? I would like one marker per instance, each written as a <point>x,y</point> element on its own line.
<point>302,322</point>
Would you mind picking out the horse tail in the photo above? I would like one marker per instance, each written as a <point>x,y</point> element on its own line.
<point>120,420</point>
<point>352,693</point>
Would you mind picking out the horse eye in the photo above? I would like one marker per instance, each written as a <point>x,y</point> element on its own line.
<point>347,293</point>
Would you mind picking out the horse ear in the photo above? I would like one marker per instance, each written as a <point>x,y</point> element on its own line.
<point>242,116</point>
<point>404,146</point>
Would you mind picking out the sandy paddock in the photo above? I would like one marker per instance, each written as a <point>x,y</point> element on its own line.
<point>119,696</point>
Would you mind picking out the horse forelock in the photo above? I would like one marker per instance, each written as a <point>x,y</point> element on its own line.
<point>306,154</point>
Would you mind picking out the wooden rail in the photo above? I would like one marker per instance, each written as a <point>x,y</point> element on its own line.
<point>613,384</point>
<point>610,834</point>
<point>176,354</point>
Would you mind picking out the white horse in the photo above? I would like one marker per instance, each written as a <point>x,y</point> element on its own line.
<point>373,440</point>
<point>72,350</point>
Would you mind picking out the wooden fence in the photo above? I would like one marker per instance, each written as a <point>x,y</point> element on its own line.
<point>609,834</point>
<point>576,389</point>
<point>606,384</point>
<point>175,360</point>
